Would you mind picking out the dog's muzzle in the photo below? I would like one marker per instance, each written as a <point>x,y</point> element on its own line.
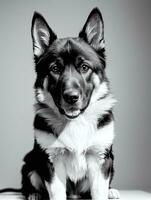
<point>71,98</point>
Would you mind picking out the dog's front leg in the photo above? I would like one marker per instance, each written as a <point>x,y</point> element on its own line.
<point>99,185</point>
<point>57,187</point>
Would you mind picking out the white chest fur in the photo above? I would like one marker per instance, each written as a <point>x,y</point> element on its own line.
<point>78,137</point>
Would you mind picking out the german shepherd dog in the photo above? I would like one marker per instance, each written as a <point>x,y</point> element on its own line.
<point>74,125</point>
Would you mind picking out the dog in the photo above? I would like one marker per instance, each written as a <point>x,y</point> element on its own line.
<point>72,155</point>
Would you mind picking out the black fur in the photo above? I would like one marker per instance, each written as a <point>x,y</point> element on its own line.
<point>108,168</point>
<point>74,189</point>
<point>41,124</point>
<point>105,119</point>
<point>36,161</point>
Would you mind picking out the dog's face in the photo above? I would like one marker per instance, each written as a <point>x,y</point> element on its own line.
<point>69,69</point>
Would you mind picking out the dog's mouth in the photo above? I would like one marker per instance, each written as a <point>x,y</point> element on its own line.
<point>72,114</point>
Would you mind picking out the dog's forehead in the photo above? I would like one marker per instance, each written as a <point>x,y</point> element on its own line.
<point>67,48</point>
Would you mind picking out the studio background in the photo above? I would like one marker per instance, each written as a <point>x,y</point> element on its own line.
<point>128,44</point>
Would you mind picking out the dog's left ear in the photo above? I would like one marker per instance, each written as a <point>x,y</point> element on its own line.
<point>93,30</point>
<point>42,35</point>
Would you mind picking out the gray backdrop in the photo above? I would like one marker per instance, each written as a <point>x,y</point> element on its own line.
<point>127,33</point>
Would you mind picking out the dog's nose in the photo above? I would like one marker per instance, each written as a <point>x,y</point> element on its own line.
<point>71,97</point>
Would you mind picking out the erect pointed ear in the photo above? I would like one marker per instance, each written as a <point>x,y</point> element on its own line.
<point>93,30</point>
<point>42,35</point>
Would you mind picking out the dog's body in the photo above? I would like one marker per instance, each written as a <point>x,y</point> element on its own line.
<point>74,124</point>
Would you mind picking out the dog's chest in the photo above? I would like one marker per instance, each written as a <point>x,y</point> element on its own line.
<point>76,165</point>
<point>78,135</point>
<point>79,139</point>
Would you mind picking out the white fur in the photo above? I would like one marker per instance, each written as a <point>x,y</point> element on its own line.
<point>113,194</point>
<point>100,89</point>
<point>40,36</point>
<point>45,36</point>
<point>40,95</point>
<point>98,183</point>
<point>57,188</point>
<point>37,45</point>
<point>91,33</point>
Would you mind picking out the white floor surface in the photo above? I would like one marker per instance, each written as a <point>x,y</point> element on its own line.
<point>125,195</point>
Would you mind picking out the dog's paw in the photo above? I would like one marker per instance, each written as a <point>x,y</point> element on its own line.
<point>34,196</point>
<point>113,194</point>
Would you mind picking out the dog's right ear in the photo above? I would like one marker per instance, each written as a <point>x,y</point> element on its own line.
<point>42,35</point>
<point>93,30</point>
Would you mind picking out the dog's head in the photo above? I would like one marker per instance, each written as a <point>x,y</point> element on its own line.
<point>70,69</point>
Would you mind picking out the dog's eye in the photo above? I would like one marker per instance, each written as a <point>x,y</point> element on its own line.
<point>84,68</point>
<point>56,69</point>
